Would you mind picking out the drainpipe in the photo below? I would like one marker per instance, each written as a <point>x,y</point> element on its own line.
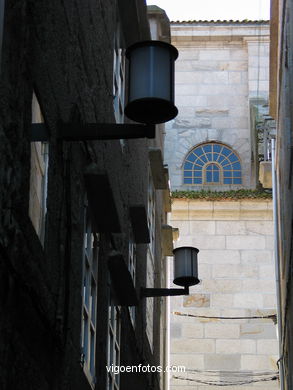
<point>277,264</point>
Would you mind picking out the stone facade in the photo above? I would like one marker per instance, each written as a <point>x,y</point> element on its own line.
<point>220,68</point>
<point>236,270</point>
<point>61,316</point>
<point>281,90</point>
<point>221,90</point>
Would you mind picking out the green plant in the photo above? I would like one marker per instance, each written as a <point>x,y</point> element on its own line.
<point>223,195</point>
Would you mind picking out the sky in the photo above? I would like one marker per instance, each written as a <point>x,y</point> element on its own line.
<point>214,9</point>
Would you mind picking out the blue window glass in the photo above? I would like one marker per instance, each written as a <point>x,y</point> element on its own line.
<point>212,163</point>
<point>227,181</point>
<point>187,180</point>
<point>199,162</point>
<point>191,157</point>
<point>227,167</point>
<point>209,177</point>
<point>188,173</point>
<point>212,173</point>
<point>217,148</point>
<point>233,158</point>
<point>209,156</point>
<point>216,176</point>
<point>226,151</point>
<point>236,166</point>
<point>216,156</point>
<point>221,159</point>
<point>207,148</point>
<point>198,151</point>
<point>188,165</point>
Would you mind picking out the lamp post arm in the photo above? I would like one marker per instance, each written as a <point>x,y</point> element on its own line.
<point>163,292</point>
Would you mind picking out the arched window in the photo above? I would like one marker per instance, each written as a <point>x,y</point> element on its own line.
<point>212,164</point>
<point>212,174</point>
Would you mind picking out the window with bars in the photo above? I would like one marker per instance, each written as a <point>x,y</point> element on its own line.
<point>114,327</point>
<point>89,300</point>
<point>212,164</point>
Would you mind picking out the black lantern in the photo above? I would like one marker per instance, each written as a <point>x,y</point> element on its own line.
<point>151,82</point>
<point>150,98</point>
<point>185,274</point>
<point>185,266</point>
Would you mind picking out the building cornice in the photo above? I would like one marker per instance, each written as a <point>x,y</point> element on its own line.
<point>244,209</point>
<point>219,22</point>
<point>213,31</point>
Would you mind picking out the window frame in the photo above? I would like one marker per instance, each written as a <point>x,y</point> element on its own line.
<point>151,218</point>
<point>114,340</point>
<point>39,162</point>
<point>89,299</point>
<point>194,167</point>
<point>151,214</point>
<point>119,75</point>
<point>132,261</point>
<point>204,175</point>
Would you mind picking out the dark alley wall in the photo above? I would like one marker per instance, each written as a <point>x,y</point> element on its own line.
<point>63,52</point>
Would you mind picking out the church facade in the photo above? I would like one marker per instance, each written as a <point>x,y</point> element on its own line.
<point>224,333</point>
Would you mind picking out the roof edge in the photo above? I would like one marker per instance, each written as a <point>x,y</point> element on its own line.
<point>244,21</point>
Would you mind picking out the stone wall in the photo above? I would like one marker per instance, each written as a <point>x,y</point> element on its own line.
<point>63,51</point>
<point>221,72</point>
<point>281,110</point>
<point>236,269</point>
<point>220,67</point>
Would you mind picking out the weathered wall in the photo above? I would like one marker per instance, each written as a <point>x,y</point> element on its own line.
<point>220,67</point>
<point>222,73</point>
<point>281,90</point>
<point>236,269</point>
<point>64,52</point>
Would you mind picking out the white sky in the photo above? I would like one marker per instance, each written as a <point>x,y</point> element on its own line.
<point>214,9</point>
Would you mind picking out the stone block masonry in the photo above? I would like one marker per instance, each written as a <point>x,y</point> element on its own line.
<point>221,66</point>
<point>236,268</point>
<point>217,70</point>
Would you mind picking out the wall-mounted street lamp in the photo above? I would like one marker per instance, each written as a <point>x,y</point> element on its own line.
<point>150,101</point>
<point>151,82</point>
<point>185,274</point>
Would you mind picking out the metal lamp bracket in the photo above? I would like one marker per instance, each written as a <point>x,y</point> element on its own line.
<point>93,131</point>
<point>163,292</point>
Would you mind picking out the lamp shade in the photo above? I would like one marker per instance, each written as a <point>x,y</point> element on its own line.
<point>151,82</point>
<point>185,266</point>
